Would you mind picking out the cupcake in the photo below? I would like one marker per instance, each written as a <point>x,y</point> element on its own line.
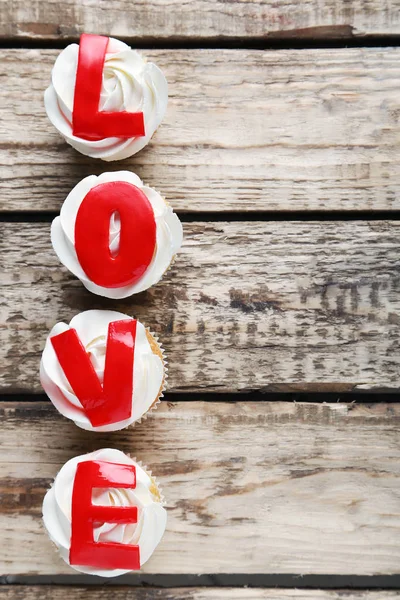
<point>105,99</point>
<point>103,371</point>
<point>116,235</point>
<point>105,513</point>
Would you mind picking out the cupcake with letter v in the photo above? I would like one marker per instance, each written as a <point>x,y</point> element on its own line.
<point>104,370</point>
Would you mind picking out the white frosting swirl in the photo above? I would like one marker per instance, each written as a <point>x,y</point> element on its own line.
<point>146,533</point>
<point>169,235</point>
<point>129,83</point>
<point>92,329</point>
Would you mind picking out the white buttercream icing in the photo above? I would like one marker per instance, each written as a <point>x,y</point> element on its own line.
<point>92,329</point>
<point>129,83</point>
<point>146,533</point>
<point>169,234</point>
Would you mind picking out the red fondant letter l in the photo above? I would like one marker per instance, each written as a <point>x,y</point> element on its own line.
<point>84,550</point>
<point>112,401</point>
<point>88,122</point>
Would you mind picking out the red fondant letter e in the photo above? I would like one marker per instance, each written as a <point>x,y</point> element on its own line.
<point>137,238</point>
<point>88,122</point>
<point>84,550</point>
<point>112,401</point>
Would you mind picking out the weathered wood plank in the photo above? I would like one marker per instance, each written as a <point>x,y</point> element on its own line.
<point>245,131</point>
<point>199,19</point>
<point>247,306</point>
<point>52,592</point>
<point>251,487</point>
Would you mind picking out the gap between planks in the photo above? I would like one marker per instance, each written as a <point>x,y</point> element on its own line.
<point>121,592</point>
<point>229,216</point>
<point>350,398</point>
<point>218,43</point>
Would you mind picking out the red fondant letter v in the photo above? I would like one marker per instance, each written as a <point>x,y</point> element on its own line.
<point>112,401</point>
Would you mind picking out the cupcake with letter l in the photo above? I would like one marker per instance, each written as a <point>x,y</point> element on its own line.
<point>105,99</point>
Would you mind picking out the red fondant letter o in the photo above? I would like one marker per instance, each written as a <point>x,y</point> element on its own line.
<point>137,236</point>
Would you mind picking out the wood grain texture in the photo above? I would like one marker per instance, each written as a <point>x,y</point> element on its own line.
<point>245,131</point>
<point>251,487</point>
<point>155,20</point>
<point>123,593</point>
<point>247,306</point>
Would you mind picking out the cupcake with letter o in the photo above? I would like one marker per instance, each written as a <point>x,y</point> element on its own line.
<point>117,235</point>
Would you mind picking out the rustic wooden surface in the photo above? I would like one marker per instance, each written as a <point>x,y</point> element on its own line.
<point>122,593</point>
<point>245,131</point>
<point>247,306</point>
<point>252,487</point>
<point>199,19</point>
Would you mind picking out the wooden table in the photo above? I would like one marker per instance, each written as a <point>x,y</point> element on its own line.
<point>278,443</point>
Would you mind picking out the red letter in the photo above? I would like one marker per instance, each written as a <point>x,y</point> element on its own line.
<point>111,402</point>
<point>88,122</point>
<point>137,237</point>
<point>84,550</point>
